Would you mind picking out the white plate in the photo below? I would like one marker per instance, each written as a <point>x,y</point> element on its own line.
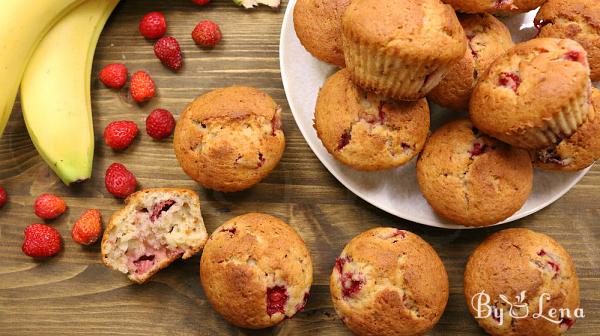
<point>395,191</point>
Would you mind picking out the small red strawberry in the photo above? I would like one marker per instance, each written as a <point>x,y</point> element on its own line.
<point>48,206</point>
<point>119,135</point>
<point>207,34</point>
<point>3,197</point>
<point>142,87</point>
<point>41,241</point>
<point>119,181</point>
<point>160,124</point>
<point>114,75</point>
<point>169,53</point>
<point>201,2</point>
<point>153,25</point>
<point>87,228</point>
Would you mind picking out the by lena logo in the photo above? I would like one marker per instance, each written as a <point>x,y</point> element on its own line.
<point>519,309</point>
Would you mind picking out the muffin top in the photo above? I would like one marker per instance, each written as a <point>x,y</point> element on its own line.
<point>256,271</point>
<point>470,178</point>
<point>530,85</point>
<point>500,7</point>
<point>424,26</point>
<point>578,20</point>
<point>366,131</point>
<point>521,263</point>
<point>578,151</point>
<point>229,139</point>
<point>318,24</point>
<point>389,282</point>
<point>487,38</point>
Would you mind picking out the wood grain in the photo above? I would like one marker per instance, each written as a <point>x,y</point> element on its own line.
<point>74,294</point>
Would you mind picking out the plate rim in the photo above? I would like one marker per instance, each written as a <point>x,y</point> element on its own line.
<point>288,16</point>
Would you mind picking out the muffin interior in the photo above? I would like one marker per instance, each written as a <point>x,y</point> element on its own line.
<point>161,227</point>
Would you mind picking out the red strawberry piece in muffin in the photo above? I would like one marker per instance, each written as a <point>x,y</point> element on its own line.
<point>3,197</point>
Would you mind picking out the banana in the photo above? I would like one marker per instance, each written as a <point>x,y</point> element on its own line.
<point>55,91</point>
<point>24,24</point>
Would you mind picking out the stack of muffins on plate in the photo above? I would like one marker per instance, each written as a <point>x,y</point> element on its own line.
<point>530,105</point>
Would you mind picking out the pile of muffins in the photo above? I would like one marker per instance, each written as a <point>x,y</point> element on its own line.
<point>531,105</point>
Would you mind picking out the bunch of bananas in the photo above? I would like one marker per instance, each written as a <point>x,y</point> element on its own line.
<point>49,48</point>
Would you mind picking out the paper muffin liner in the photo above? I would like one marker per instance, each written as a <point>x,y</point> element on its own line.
<point>563,125</point>
<point>390,74</point>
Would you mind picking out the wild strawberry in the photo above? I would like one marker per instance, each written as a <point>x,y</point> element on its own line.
<point>3,197</point>
<point>207,34</point>
<point>169,53</point>
<point>41,241</point>
<point>119,181</point>
<point>160,124</point>
<point>142,87</point>
<point>201,2</point>
<point>153,25</point>
<point>87,228</point>
<point>114,75</point>
<point>119,135</point>
<point>48,206</point>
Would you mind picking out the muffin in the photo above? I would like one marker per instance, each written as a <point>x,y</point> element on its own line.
<point>578,20</point>
<point>578,151</point>
<point>155,228</point>
<point>318,25</point>
<point>256,271</point>
<point>229,139</point>
<point>487,38</point>
<point>535,94</point>
<point>366,131</point>
<point>393,47</point>
<point>514,268</point>
<point>472,179</point>
<point>497,7</point>
<point>389,282</point>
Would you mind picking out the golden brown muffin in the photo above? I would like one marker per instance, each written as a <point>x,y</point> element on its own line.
<point>534,95</point>
<point>516,267</point>
<point>256,271</point>
<point>318,24</point>
<point>497,7</point>
<point>578,151</point>
<point>156,227</point>
<point>229,139</point>
<point>366,131</point>
<point>472,179</point>
<point>393,47</point>
<point>487,39</point>
<point>578,20</point>
<point>389,282</point>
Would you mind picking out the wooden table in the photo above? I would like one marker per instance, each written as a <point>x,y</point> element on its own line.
<point>74,294</point>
